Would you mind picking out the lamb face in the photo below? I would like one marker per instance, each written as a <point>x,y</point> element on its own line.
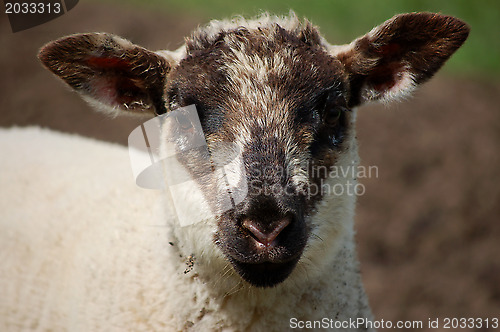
<point>285,98</point>
<point>282,101</point>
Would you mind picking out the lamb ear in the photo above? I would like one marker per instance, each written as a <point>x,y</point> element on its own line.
<point>393,58</point>
<point>111,73</point>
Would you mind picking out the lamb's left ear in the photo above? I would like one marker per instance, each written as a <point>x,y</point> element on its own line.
<point>111,73</point>
<point>401,53</point>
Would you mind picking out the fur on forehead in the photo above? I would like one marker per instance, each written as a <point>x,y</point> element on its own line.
<point>265,24</point>
<point>267,66</point>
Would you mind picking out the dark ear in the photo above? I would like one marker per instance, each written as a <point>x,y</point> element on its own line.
<point>111,73</point>
<point>393,58</point>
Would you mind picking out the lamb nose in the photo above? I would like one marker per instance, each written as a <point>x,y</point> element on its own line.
<point>268,236</point>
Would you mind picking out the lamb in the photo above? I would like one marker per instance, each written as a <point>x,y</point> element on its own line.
<point>85,249</point>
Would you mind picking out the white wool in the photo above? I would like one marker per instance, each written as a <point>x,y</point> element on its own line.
<point>84,249</point>
<point>78,247</point>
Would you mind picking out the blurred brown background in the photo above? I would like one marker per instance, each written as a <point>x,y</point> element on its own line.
<point>428,226</point>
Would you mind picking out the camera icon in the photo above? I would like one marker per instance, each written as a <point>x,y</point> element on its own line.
<point>170,152</point>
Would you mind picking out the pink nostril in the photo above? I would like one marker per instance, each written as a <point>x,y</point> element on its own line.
<point>266,237</point>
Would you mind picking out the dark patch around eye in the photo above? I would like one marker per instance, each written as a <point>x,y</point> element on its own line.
<point>314,111</point>
<point>332,116</point>
<point>329,133</point>
<point>213,120</point>
<point>211,117</point>
<point>328,138</point>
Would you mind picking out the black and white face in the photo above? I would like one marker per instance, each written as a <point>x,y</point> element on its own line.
<point>282,100</point>
<point>284,97</point>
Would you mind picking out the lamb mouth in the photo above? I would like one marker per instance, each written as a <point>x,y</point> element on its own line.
<point>265,274</point>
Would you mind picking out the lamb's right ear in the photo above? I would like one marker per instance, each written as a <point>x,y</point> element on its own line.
<point>111,73</point>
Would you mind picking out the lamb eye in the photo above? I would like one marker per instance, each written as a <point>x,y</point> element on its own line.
<point>332,115</point>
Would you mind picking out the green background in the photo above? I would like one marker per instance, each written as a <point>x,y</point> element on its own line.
<point>342,21</point>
